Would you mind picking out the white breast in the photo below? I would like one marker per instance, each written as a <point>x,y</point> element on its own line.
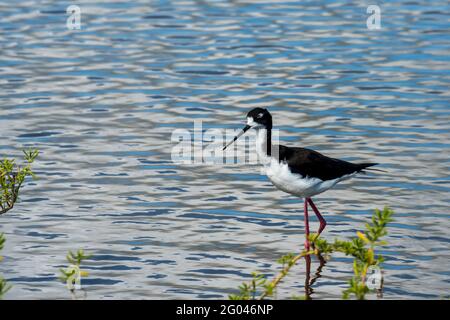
<point>293,183</point>
<point>284,179</point>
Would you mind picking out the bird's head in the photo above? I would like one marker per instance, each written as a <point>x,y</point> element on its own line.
<point>257,118</point>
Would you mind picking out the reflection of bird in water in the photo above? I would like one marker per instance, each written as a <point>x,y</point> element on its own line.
<point>310,281</point>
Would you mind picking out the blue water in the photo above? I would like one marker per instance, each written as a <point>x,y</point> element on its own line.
<point>101,104</point>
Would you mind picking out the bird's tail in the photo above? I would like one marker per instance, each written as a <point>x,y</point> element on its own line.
<point>366,166</point>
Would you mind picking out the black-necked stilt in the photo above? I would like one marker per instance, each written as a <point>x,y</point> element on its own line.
<point>297,171</point>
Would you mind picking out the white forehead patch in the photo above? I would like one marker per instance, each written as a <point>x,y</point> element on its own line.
<point>251,122</point>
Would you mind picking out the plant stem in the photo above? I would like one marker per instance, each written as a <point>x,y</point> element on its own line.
<point>273,284</point>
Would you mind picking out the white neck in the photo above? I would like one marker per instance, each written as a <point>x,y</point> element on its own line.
<point>261,146</point>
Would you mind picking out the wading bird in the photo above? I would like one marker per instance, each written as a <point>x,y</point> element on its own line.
<point>297,171</point>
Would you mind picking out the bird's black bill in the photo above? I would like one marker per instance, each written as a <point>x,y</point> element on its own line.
<point>237,137</point>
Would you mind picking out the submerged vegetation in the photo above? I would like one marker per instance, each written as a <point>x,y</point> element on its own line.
<point>367,276</point>
<point>4,286</point>
<point>72,274</point>
<point>12,177</point>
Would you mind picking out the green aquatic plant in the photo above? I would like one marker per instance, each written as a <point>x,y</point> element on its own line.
<point>4,286</point>
<point>361,248</point>
<point>72,274</point>
<point>249,291</point>
<point>259,287</point>
<point>12,177</point>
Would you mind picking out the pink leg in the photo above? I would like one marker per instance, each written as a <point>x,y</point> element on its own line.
<point>322,221</point>
<point>306,225</point>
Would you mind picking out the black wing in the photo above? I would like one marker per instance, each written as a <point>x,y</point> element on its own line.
<point>311,163</point>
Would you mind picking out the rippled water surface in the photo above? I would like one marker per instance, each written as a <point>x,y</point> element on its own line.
<point>101,104</point>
